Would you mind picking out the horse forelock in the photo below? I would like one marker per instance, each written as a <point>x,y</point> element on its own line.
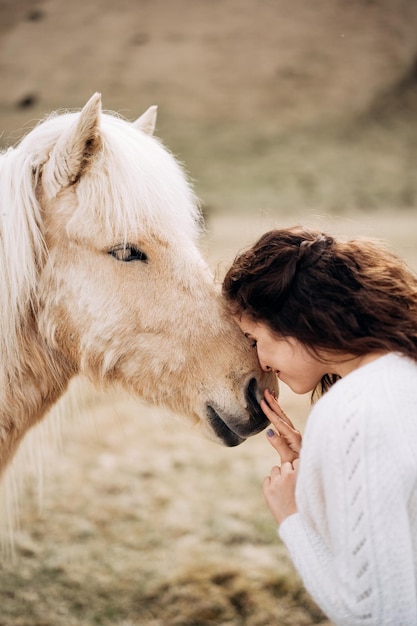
<point>137,185</point>
<point>134,181</point>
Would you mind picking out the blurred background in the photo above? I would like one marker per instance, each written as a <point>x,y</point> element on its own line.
<point>281,112</point>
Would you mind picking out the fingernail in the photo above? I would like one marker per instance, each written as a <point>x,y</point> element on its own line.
<point>270,432</point>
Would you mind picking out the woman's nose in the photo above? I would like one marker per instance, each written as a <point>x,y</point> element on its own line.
<point>262,361</point>
<point>264,366</point>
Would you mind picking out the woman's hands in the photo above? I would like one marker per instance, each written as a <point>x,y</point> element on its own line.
<point>279,487</point>
<point>287,442</point>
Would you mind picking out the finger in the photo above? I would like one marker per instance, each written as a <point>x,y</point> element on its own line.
<point>267,486</point>
<point>274,405</point>
<point>276,440</point>
<point>281,446</point>
<point>275,471</point>
<point>271,413</point>
<point>292,435</point>
<point>271,398</point>
<point>275,414</point>
<point>287,468</point>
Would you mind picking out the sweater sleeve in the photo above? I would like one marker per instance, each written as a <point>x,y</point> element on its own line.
<point>352,538</point>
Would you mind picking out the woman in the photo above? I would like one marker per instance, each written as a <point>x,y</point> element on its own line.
<point>339,319</point>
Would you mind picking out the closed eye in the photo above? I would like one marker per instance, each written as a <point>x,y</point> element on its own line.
<point>127,253</point>
<point>251,339</point>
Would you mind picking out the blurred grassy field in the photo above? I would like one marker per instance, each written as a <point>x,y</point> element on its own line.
<point>355,165</point>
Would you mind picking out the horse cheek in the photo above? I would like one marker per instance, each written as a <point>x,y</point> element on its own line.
<point>60,334</point>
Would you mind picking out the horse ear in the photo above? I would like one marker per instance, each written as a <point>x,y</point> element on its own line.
<point>147,121</point>
<point>74,149</point>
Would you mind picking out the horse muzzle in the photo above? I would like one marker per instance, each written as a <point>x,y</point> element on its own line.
<point>234,430</point>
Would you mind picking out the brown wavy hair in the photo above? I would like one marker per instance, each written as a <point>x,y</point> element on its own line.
<point>352,297</point>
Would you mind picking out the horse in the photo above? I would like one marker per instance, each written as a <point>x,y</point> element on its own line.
<point>102,277</point>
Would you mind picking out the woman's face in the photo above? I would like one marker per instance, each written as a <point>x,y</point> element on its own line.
<point>286,356</point>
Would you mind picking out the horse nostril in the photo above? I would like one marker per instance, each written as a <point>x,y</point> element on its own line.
<point>258,419</point>
<point>250,393</point>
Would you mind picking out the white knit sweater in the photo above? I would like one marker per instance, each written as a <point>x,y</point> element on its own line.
<point>354,538</point>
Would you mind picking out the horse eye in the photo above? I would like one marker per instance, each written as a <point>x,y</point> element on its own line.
<point>127,253</point>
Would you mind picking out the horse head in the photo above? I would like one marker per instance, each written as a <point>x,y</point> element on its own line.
<point>118,288</point>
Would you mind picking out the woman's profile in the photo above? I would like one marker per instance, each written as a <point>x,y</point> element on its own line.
<point>339,319</point>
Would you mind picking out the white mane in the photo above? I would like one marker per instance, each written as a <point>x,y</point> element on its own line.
<point>21,243</point>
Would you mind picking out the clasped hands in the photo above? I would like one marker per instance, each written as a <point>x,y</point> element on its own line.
<point>279,486</point>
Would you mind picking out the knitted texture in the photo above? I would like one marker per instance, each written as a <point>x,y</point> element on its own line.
<point>354,538</point>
